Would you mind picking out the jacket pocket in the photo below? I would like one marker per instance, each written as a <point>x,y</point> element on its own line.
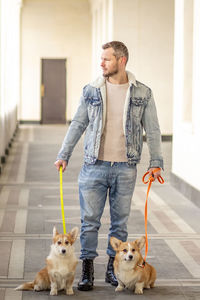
<point>139,101</point>
<point>94,108</point>
<point>137,107</point>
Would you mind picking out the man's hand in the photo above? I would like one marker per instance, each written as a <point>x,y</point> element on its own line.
<point>60,163</point>
<point>153,173</point>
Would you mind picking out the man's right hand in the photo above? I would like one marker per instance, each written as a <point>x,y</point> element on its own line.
<point>60,163</point>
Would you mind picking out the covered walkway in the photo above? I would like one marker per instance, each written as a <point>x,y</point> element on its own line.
<point>29,207</point>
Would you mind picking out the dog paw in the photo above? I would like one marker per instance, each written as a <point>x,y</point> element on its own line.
<point>147,287</point>
<point>119,288</point>
<point>53,292</point>
<point>37,288</point>
<point>138,291</point>
<point>69,291</point>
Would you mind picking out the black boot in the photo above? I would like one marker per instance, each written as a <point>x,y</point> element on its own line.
<point>110,275</point>
<point>86,281</point>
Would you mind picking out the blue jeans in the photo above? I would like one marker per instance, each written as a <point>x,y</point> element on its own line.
<point>94,183</point>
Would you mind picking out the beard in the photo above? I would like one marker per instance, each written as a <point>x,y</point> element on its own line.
<point>111,73</point>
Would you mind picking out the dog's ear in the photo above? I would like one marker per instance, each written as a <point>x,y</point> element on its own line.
<point>73,234</point>
<point>55,232</point>
<point>141,242</point>
<point>115,243</point>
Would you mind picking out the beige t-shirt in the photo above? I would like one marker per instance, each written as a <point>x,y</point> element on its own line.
<point>112,146</point>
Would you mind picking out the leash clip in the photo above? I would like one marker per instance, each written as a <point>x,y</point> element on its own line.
<point>142,265</point>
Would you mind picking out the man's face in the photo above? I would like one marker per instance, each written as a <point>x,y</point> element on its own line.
<point>109,63</point>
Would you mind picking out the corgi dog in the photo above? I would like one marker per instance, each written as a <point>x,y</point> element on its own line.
<point>128,266</point>
<point>60,266</point>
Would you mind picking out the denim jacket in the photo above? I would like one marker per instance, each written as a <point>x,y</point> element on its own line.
<point>139,112</point>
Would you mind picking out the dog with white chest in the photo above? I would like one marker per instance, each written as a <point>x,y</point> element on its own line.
<point>128,266</point>
<point>60,266</point>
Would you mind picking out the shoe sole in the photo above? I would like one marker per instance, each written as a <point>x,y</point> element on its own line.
<point>85,289</point>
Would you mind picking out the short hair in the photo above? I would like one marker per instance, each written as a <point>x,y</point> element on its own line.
<point>119,49</point>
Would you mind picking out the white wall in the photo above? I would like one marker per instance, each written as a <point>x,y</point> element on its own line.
<point>146,27</point>
<point>186,124</point>
<point>9,69</point>
<point>102,30</point>
<point>1,108</point>
<point>54,29</point>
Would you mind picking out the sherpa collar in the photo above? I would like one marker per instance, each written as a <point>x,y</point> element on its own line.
<point>100,81</point>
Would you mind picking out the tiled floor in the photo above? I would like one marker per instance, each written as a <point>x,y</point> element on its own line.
<point>30,206</point>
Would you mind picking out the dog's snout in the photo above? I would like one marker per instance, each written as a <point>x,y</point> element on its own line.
<point>130,257</point>
<point>63,251</point>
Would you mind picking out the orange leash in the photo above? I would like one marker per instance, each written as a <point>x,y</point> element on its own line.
<point>150,180</point>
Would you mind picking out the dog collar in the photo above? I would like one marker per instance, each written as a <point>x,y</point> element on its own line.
<point>141,265</point>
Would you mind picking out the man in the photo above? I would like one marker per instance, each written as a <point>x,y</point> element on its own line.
<point>113,110</point>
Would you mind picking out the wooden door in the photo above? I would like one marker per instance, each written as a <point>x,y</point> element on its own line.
<point>53,91</point>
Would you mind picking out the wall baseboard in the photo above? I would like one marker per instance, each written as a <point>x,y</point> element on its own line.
<point>3,159</point>
<point>186,189</point>
<point>164,137</point>
<point>7,150</point>
<point>167,138</point>
<point>30,122</point>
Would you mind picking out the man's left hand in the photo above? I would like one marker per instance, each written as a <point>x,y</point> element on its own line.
<point>154,173</point>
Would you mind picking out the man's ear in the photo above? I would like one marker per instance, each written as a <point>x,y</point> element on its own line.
<point>123,60</point>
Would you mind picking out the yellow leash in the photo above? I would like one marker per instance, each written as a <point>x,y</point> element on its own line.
<point>61,201</point>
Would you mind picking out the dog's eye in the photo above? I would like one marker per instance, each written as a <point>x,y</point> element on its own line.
<point>59,243</point>
<point>66,242</point>
<point>133,250</point>
<point>125,250</point>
